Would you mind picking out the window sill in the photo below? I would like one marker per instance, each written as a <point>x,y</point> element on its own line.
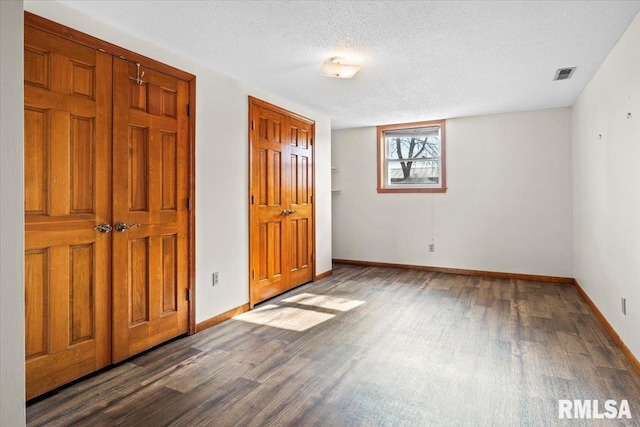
<point>412,190</point>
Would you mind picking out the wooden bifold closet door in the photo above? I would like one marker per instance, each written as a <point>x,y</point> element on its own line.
<point>107,232</point>
<point>281,200</point>
<point>67,146</point>
<point>150,192</point>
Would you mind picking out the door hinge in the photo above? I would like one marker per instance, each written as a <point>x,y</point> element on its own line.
<point>188,294</point>
<point>313,256</point>
<point>188,109</point>
<point>310,141</point>
<point>311,197</point>
<point>189,203</point>
<point>253,274</point>
<point>253,199</point>
<point>253,124</point>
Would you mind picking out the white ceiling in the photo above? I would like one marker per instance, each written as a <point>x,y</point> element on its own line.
<point>420,60</point>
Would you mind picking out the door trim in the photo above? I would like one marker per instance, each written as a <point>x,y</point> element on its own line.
<point>76,36</point>
<point>267,105</point>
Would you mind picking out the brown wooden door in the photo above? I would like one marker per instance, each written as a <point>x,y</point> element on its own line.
<point>281,200</point>
<point>101,149</point>
<point>67,146</point>
<point>300,222</point>
<point>151,190</point>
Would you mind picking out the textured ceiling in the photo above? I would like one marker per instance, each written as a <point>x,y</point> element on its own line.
<point>420,59</point>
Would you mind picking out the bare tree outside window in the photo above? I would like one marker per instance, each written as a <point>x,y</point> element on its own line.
<point>426,148</point>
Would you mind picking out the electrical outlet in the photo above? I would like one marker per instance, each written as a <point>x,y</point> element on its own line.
<point>624,306</point>
<point>432,247</point>
<point>214,279</point>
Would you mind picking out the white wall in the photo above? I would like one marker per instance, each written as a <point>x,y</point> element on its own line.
<point>221,180</point>
<point>221,166</point>
<point>606,181</point>
<point>12,412</point>
<point>508,206</point>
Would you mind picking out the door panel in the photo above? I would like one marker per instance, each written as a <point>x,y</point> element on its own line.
<point>67,143</point>
<point>36,161</point>
<point>151,188</point>
<point>281,229</point>
<point>268,171</point>
<point>300,138</point>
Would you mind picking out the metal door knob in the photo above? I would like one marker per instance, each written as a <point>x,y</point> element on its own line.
<point>287,212</point>
<point>103,228</point>
<point>121,226</point>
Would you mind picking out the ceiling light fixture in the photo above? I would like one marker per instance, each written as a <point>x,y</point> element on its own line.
<point>335,67</point>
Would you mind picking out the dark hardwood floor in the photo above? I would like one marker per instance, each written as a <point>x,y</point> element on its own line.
<point>425,349</point>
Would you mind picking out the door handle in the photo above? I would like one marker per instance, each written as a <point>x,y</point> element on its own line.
<point>287,212</point>
<point>103,228</point>
<point>122,227</point>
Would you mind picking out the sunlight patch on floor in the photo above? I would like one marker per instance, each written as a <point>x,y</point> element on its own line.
<point>290,318</point>
<point>324,301</point>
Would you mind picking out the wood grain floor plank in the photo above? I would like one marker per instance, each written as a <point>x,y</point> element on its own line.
<point>207,405</point>
<point>85,397</point>
<point>132,410</point>
<point>426,348</point>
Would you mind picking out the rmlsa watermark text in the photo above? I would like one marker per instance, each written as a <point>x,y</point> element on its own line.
<point>585,409</point>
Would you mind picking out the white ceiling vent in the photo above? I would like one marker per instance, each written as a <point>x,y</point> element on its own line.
<point>564,73</point>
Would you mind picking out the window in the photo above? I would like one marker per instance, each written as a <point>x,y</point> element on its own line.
<point>411,158</point>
